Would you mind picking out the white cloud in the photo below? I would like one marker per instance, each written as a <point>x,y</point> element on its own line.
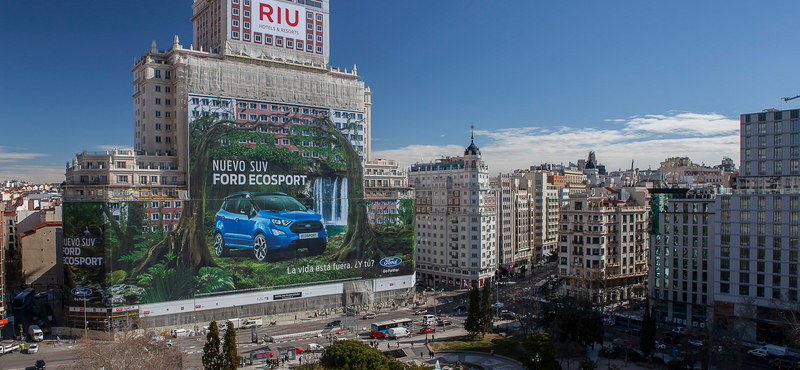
<point>647,140</point>
<point>109,148</point>
<point>7,157</point>
<point>33,173</point>
<point>684,124</point>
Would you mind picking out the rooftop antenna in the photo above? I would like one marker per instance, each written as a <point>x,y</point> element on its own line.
<point>472,134</point>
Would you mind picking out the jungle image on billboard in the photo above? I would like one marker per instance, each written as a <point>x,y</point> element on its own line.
<point>269,205</point>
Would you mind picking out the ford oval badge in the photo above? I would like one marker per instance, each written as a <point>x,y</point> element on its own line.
<point>391,261</point>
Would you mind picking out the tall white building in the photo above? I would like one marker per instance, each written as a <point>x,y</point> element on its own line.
<point>456,213</point>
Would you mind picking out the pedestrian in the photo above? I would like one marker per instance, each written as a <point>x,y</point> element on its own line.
<point>412,344</point>
<point>387,345</point>
<point>492,352</point>
<point>421,354</point>
<point>433,337</point>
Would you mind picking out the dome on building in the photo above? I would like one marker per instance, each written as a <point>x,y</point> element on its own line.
<point>472,149</point>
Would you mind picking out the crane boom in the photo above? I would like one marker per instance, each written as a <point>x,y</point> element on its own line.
<point>792,98</point>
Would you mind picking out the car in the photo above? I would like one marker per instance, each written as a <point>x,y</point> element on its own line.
<point>377,335</point>
<point>40,364</point>
<point>369,316</point>
<point>498,305</point>
<point>421,311</point>
<point>696,342</point>
<point>758,352</point>
<point>427,330</point>
<point>267,223</point>
<point>33,348</point>
<point>441,322</point>
<point>782,363</point>
<point>633,331</point>
<point>461,313</point>
<point>506,314</point>
<point>660,345</point>
<point>314,347</point>
<point>334,323</point>
<point>668,339</point>
<point>461,308</point>
<point>299,350</point>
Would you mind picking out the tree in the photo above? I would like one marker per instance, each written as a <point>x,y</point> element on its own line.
<point>211,355</point>
<point>486,309</point>
<point>587,364</point>
<point>473,322</point>
<point>229,357</point>
<point>648,338</point>
<point>129,352</point>
<point>355,355</point>
<point>539,352</point>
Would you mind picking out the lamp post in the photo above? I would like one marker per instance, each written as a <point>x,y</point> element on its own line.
<point>535,360</point>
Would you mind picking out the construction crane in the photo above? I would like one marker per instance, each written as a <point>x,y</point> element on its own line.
<point>792,98</point>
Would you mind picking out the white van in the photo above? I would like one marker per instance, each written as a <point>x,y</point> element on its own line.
<point>314,347</point>
<point>429,320</point>
<point>395,333</point>
<point>181,333</point>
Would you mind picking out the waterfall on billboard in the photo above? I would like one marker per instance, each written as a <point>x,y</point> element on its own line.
<point>330,199</point>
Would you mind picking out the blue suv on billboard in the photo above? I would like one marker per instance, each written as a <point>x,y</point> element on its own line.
<point>267,223</point>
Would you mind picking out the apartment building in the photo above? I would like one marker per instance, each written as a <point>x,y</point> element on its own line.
<point>603,244</point>
<point>385,185</point>
<point>5,231</point>
<point>528,203</point>
<point>456,220</point>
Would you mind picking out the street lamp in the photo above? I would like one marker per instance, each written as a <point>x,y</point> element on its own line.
<point>535,360</point>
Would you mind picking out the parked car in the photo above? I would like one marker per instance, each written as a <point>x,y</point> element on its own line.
<point>506,314</point>
<point>267,223</point>
<point>334,323</point>
<point>299,350</point>
<point>498,305</point>
<point>696,342</point>
<point>313,347</point>
<point>377,335</point>
<point>421,311</point>
<point>461,308</point>
<point>660,345</point>
<point>782,363</point>
<point>426,330</point>
<point>369,316</point>
<point>758,352</point>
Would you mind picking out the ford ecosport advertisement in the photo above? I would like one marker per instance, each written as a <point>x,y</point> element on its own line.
<point>269,205</point>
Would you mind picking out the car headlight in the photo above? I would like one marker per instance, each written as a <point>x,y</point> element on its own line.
<point>277,232</point>
<point>281,222</point>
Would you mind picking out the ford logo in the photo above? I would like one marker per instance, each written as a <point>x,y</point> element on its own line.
<point>391,261</point>
<point>81,292</point>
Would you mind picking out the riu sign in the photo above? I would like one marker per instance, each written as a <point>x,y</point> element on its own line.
<point>279,19</point>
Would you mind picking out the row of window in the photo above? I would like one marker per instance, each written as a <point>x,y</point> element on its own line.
<point>166,204</point>
<point>165,216</point>
<point>744,290</point>
<point>777,128</point>
<point>290,43</point>
<point>777,202</point>
<point>172,180</point>
<point>309,15</point>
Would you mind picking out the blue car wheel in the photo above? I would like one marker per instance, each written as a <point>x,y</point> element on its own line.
<point>220,249</point>
<point>260,247</point>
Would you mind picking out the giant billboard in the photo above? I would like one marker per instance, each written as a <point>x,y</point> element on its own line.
<point>270,205</point>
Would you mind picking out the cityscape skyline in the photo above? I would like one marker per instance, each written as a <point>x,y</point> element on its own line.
<point>652,81</point>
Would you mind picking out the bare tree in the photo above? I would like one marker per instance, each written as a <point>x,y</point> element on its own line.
<point>128,352</point>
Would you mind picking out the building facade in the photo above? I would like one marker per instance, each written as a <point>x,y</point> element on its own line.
<point>603,244</point>
<point>456,225</point>
<point>386,185</point>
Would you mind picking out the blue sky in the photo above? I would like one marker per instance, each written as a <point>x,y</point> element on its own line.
<point>541,81</point>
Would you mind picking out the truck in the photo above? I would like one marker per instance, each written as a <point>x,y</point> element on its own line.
<point>775,350</point>
<point>398,332</point>
<point>246,323</point>
<point>35,333</point>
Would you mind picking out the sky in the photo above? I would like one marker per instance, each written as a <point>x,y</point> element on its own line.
<point>541,81</point>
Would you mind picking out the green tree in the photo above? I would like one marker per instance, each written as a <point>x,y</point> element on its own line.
<point>229,358</point>
<point>355,355</point>
<point>211,349</point>
<point>486,310</point>
<point>473,322</point>
<point>539,352</point>
<point>648,338</point>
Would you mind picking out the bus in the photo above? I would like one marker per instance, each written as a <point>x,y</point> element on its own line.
<point>23,299</point>
<point>384,326</point>
<point>630,321</point>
